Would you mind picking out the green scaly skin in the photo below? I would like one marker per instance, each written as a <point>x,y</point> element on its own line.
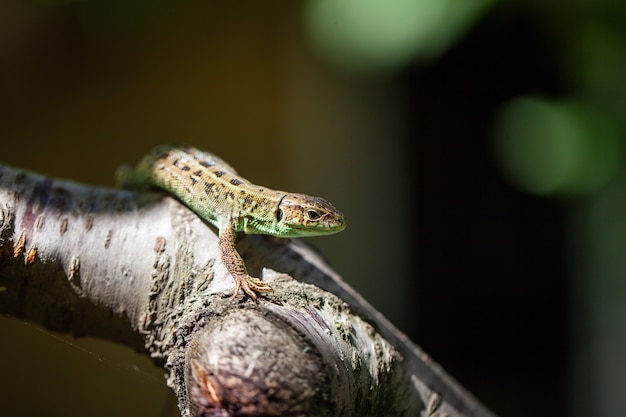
<point>213,190</point>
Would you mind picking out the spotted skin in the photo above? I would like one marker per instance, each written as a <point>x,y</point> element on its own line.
<point>215,192</point>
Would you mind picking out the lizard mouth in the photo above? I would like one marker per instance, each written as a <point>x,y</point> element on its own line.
<point>321,228</point>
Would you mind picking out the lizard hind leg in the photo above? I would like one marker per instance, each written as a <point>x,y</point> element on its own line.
<point>237,268</point>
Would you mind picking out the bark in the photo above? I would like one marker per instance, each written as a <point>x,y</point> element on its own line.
<point>141,269</point>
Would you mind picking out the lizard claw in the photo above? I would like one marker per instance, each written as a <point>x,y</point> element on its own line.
<point>251,286</point>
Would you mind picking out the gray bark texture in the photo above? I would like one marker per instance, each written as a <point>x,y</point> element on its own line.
<point>141,269</point>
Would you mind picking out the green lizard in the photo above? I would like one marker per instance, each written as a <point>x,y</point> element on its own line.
<point>213,190</point>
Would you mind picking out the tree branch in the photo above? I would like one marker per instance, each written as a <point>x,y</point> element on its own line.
<point>143,270</point>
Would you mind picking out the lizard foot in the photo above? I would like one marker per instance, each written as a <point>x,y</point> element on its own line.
<point>251,286</point>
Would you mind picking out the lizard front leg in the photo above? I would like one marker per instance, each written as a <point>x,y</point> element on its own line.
<point>237,268</point>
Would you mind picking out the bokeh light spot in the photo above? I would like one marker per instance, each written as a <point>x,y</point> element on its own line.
<point>551,147</point>
<point>375,34</point>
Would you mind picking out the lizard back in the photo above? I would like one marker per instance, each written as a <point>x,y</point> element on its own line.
<point>210,187</point>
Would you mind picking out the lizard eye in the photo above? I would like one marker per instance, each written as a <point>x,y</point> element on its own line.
<point>313,214</point>
<point>279,214</point>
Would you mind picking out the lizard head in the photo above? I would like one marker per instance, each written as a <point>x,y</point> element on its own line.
<point>304,215</point>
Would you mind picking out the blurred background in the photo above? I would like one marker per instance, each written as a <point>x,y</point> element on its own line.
<point>476,148</point>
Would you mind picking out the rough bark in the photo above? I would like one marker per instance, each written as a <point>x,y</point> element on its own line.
<point>143,270</point>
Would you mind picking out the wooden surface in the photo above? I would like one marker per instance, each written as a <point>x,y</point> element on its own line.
<point>141,268</point>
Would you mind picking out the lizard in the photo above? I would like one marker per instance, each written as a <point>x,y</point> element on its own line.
<point>217,194</point>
